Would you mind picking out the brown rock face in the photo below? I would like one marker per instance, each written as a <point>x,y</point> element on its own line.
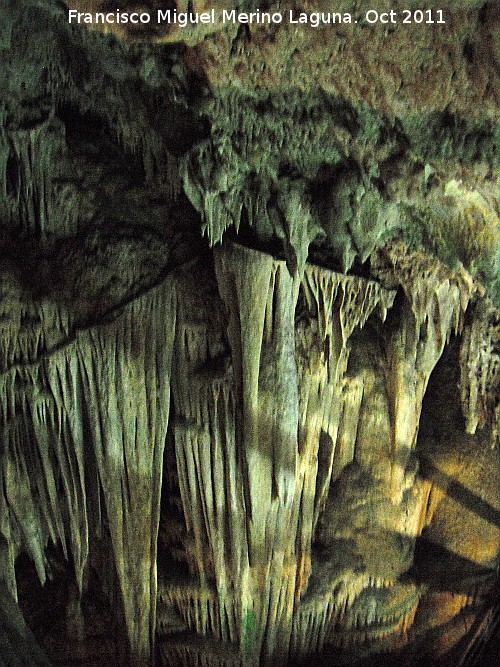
<point>357,50</point>
<point>249,332</point>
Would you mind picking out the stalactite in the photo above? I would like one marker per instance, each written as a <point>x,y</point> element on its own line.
<point>261,336</point>
<point>293,497</point>
<point>267,453</point>
<point>30,326</point>
<point>208,462</point>
<point>328,420</point>
<point>128,443</point>
<point>52,418</point>
<point>330,402</point>
<point>255,481</point>
<point>436,299</point>
<point>480,371</point>
<point>40,455</point>
<point>33,202</point>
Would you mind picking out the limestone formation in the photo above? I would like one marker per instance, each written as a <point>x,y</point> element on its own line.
<point>249,336</point>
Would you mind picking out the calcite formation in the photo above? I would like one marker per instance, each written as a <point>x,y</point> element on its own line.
<point>249,336</point>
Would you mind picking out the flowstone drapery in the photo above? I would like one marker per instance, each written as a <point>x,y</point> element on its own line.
<point>249,337</point>
<point>83,433</point>
<point>296,459</point>
<point>294,431</point>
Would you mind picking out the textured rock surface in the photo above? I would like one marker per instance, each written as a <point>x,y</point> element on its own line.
<point>249,336</point>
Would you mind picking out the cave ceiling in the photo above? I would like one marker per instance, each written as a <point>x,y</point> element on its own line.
<point>249,333</point>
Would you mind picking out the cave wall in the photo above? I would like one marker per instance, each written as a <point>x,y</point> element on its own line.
<point>232,262</point>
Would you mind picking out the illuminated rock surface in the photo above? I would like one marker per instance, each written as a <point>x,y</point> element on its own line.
<point>249,338</point>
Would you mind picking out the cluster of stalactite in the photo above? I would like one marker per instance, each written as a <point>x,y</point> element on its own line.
<point>296,401</point>
<point>83,432</point>
<point>480,376</point>
<point>275,443</point>
<point>283,398</point>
